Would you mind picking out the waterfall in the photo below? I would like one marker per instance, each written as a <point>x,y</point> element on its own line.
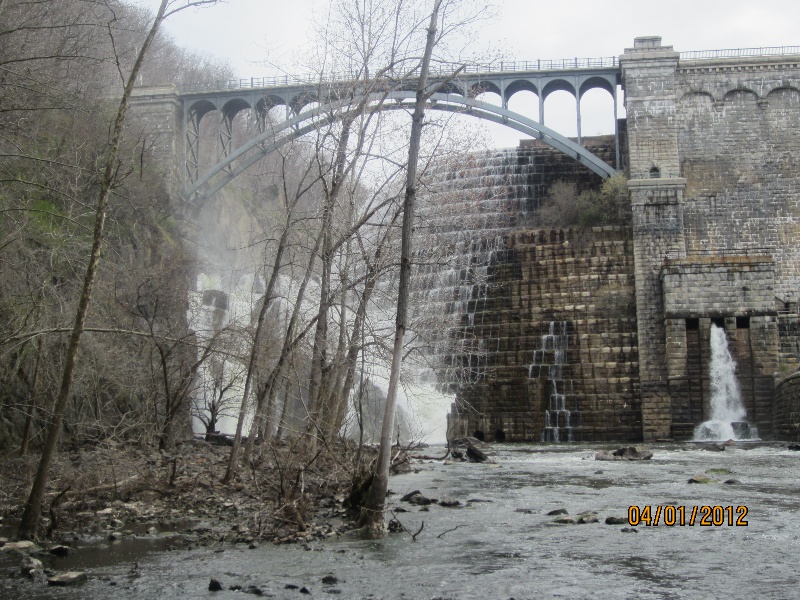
<point>561,417</point>
<point>462,220</point>
<point>728,414</point>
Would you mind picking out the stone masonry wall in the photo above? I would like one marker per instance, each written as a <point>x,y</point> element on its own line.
<point>787,408</point>
<point>739,145</point>
<point>155,120</point>
<point>583,279</point>
<point>714,286</point>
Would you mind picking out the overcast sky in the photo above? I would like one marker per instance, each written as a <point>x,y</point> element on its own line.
<point>254,34</point>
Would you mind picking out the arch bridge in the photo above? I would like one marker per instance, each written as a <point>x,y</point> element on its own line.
<point>228,99</point>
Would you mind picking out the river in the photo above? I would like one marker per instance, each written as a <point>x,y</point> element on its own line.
<point>506,545</point>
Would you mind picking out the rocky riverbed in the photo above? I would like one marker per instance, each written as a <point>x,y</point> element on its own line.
<point>539,521</point>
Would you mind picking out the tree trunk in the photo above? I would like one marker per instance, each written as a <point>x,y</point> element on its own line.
<point>233,459</point>
<point>372,513</point>
<point>318,362</point>
<point>27,432</point>
<point>33,507</point>
<point>288,344</point>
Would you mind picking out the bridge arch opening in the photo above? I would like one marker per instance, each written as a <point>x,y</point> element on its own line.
<point>271,115</point>
<point>520,86</point>
<point>525,102</point>
<point>561,112</point>
<point>484,87</point>
<point>597,112</point>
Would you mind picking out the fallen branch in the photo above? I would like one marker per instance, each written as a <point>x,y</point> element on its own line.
<point>449,530</point>
<point>102,488</point>
<point>406,529</point>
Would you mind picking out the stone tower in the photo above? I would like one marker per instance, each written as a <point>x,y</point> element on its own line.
<point>648,79</point>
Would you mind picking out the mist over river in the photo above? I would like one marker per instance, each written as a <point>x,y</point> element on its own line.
<point>505,545</point>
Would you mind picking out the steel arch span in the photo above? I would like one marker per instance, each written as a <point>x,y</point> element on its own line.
<point>246,155</point>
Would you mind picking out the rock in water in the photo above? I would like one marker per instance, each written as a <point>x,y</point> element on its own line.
<point>214,586</point>
<point>31,567</point>
<point>23,546</point>
<point>714,447</point>
<point>449,502</point>
<point>416,498</point>
<point>633,453</point>
<point>629,453</point>
<point>587,517</point>
<point>59,550</point>
<point>409,495</point>
<point>564,520</point>
<point>476,455</point>
<point>394,527</point>
<point>701,479</point>
<point>68,578</point>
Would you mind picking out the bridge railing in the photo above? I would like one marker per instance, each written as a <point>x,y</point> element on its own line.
<point>500,66</point>
<point>740,52</point>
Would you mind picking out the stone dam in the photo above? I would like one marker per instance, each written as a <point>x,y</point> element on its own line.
<point>603,333</point>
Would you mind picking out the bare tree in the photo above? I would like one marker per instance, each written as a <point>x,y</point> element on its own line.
<point>372,515</point>
<point>108,180</point>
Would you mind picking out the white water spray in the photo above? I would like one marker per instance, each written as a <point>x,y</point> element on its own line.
<point>727,411</point>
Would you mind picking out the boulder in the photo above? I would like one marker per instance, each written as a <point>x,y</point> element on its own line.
<point>68,578</point>
<point>564,520</point>
<point>701,479</point>
<point>467,441</point>
<point>558,511</point>
<point>417,499</point>
<point>31,567</point>
<point>420,500</point>
<point>628,453</point>
<point>714,447</point>
<point>214,585</point>
<point>475,455</point>
<point>409,495</point>
<point>23,546</point>
<point>449,502</point>
<point>616,521</point>
<point>60,550</point>
<point>395,526</point>
<point>587,517</point>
